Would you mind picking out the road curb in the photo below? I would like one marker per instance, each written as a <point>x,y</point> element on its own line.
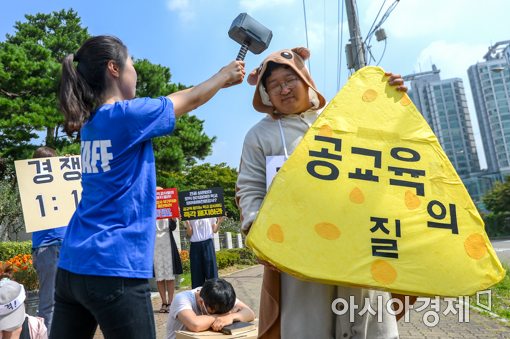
<point>506,237</point>
<point>489,313</point>
<point>241,270</point>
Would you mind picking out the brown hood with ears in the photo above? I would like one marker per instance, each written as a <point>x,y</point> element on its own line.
<point>295,58</point>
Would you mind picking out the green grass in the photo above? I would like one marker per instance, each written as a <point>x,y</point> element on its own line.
<point>500,297</point>
<point>186,283</point>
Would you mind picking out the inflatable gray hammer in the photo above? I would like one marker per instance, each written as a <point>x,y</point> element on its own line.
<point>251,34</point>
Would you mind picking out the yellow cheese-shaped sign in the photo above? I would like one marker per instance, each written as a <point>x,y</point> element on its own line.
<point>369,198</point>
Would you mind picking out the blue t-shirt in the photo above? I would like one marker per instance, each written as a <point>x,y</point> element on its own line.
<point>112,232</point>
<point>49,237</point>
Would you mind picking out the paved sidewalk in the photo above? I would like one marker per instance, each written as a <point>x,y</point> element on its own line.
<point>247,284</point>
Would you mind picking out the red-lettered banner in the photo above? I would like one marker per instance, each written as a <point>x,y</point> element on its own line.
<point>167,203</point>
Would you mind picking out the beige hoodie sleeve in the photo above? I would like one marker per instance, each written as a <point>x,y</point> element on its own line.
<point>251,182</point>
<point>264,139</point>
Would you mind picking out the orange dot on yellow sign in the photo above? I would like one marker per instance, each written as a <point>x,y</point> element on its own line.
<point>475,246</point>
<point>369,95</point>
<point>356,196</point>
<point>405,100</point>
<point>275,233</point>
<point>412,201</point>
<point>326,131</point>
<point>327,230</point>
<point>383,272</point>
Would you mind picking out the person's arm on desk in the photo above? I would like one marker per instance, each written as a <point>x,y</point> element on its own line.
<point>194,322</point>
<point>240,312</point>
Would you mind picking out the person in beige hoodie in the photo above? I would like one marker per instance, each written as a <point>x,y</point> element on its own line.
<point>292,308</point>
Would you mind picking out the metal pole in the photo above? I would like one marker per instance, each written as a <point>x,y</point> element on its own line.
<point>357,50</point>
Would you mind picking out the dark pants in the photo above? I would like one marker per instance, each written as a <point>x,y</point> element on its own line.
<point>203,262</point>
<point>121,306</point>
<point>45,263</point>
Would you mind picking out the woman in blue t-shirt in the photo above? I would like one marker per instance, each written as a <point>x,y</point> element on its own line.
<point>106,257</point>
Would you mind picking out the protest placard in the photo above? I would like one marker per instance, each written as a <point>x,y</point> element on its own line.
<point>200,204</point>
<point>50,190</point>
<point>167,203</point>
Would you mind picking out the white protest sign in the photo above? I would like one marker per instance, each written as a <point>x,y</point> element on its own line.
<point>50,189</point>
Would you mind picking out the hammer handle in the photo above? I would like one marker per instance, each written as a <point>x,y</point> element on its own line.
<point>242,51</point>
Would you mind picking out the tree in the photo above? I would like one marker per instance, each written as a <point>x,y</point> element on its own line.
<point>30,62</point>
<point>153,79</point>
<point>497,200</point>
<point>220,175</point>
<point>206,176</point>
<point>11,218</point>
<point>230,225</point>
<point>188,141</point>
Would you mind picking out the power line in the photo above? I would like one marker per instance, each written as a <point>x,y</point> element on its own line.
<point>306,34</point>
<point>365,43</point>
<point>374,28</point>
<point>369,50</point>
<point>383,52</point>
<point>373,23</point>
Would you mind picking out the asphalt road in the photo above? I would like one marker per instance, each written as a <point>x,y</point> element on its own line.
<point>502,248</point>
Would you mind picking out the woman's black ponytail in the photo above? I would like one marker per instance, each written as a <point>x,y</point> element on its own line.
<point>83,79</point>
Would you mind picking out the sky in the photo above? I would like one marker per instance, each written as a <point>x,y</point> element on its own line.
<point>190,37</point>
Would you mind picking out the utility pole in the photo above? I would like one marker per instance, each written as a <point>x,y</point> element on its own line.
<point>355,50</point>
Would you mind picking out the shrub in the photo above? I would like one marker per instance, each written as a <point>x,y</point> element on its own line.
<point>186,267</point>
<point>247,255</point>
<point>226,258</point>
<point>9,249</point>
<point>497,224</point>
<point>184,254</point>
<point>24,271</point>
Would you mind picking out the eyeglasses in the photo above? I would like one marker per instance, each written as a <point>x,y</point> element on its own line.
<point>276,88</point>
